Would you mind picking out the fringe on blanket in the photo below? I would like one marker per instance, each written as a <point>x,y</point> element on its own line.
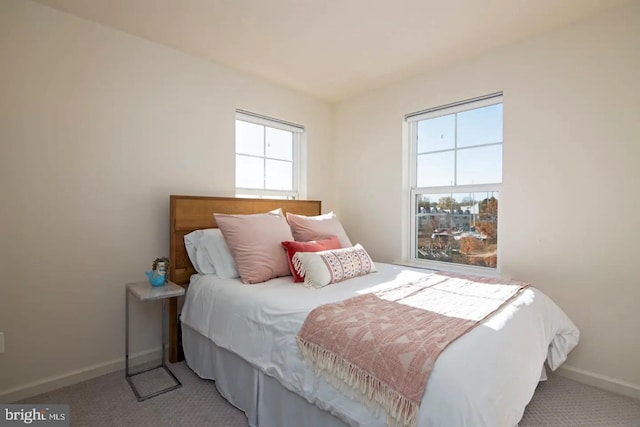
<point>401,412</point>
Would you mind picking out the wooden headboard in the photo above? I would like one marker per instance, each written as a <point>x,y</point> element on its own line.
<point>189,213</point>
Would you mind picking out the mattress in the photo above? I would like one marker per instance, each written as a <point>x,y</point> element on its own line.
<point>485,378</point>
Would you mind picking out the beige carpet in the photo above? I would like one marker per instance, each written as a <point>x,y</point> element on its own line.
<point>108,401</point>
<point>562,402</point>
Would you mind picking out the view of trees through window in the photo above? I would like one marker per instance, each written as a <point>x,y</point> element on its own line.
<point>458,227</point>
<point>456,161</point>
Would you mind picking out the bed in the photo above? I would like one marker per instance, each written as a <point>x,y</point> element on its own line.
<point>244,338</point>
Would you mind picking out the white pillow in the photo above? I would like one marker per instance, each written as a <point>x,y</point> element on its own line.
<point>322,268</point>
<point>218,253</point>
<point>210,254</point>
<point>199,259</point>
<point>190,243</point>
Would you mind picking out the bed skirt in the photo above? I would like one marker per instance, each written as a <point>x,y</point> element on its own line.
<point>262,398</point>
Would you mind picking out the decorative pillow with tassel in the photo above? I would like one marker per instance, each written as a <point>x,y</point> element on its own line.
<point>320,269</point>
<point>293,248</point>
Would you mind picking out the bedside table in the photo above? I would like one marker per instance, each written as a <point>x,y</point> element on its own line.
<point>145,292</point>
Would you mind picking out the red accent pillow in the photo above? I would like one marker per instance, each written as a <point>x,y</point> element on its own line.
<point>330,242</point>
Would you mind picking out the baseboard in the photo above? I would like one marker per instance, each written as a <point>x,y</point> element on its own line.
<point>600,381</point>
<point>76,376</point>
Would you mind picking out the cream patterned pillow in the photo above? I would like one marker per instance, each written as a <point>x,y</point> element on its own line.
<point>322,268</point>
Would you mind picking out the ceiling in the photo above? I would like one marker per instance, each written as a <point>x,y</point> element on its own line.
<point>334,49</point>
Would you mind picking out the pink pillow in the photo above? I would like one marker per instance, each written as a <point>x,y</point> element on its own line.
<point>254,241</point>
<point>314,246</point>
<point>306,228</point>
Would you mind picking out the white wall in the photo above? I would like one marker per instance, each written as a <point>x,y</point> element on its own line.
<point>97,129</point>
<point>569,214</point>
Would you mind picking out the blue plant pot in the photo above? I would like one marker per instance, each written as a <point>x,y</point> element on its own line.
<point>155,281</point>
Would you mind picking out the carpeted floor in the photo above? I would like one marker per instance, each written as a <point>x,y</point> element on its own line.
<point>108,401</point>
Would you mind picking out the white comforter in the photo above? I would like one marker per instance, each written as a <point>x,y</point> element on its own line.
<point>485,378</point>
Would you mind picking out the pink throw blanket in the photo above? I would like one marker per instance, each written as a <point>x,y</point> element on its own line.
<point>383,345</point>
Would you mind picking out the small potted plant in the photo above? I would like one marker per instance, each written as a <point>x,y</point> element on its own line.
<point>158,275</point>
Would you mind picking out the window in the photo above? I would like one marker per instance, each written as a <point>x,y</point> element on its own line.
<point>455,180</point>
<point>268,157</point>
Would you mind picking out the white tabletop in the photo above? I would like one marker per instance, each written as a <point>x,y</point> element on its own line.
<point>145,292</point>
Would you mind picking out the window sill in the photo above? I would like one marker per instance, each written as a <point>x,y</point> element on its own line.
<point>453,268</point>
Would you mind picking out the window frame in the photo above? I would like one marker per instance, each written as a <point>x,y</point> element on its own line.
<point>411,126</point>
<point>299,169</point>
